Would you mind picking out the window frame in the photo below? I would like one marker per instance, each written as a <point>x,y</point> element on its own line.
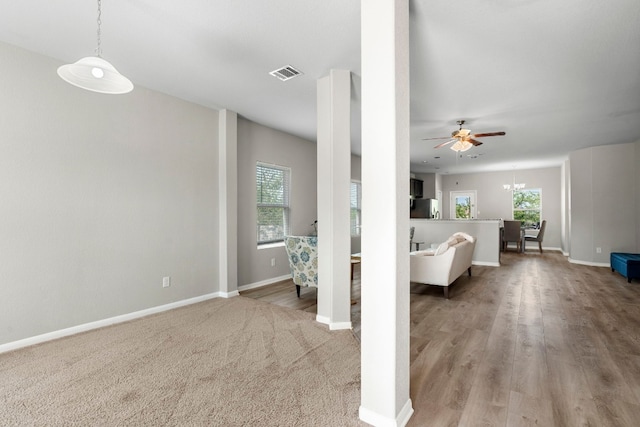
<point>285,205</point>
<point>354,227</point>
<point>472,196</point>
<point>538,209</point>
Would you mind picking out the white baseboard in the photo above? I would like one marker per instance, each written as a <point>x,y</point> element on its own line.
<point>333,326</point>
<point>264,283</point>
<point>38,339</point>
<point>375,419</point>
<point>535,248</point>
<point>229,294</point>
<point>405,414</point>
<point>337,326</point>
<point>485,263</point>
<point>322,319</point>
<point>589,263</point>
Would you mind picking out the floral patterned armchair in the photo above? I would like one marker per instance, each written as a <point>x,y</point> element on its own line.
<point>303,260</point>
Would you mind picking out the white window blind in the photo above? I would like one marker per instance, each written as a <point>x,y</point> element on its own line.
<point>272,191</point>
<point>356,207</point>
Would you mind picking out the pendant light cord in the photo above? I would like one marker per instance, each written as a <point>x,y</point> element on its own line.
<point>99,47</point>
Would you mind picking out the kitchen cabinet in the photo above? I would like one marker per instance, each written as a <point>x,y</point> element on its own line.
<point>415,188</point>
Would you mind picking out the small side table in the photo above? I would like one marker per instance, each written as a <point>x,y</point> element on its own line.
<point>355,259</point>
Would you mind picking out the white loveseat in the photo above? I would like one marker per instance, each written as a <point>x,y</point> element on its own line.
<point>444,265</point>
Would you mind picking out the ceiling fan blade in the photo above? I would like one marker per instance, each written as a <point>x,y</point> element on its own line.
<point>480,135</point>
<point>474,142</point>
<point>445,143</point>
<point>442,137</point>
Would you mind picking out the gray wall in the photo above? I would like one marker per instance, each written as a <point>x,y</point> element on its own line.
<point>637,180</point>
<point>260,143</point>
<point>494,202</point>
<point>101,196</point>
<point>604,202</point>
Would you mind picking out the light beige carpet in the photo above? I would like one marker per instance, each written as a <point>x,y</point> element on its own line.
<point>223,362</point>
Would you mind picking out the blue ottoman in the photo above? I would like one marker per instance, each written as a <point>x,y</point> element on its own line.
<point>626,264</point>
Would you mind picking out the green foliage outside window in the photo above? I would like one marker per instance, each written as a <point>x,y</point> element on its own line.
<point>527,205</point>
<point>272,194</point>
<point>356,207</point>
<point>463,207</point>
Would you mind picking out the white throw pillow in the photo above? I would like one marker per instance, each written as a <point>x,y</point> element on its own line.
<point>442,248</point>
<point>464,236</point>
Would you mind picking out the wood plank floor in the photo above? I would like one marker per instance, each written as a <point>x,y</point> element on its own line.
<point>537,341</point>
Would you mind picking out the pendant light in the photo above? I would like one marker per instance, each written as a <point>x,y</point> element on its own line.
<point>94,73</point>
<point>515,186</point>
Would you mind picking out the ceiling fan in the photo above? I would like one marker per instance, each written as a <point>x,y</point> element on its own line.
<point>463,138</point>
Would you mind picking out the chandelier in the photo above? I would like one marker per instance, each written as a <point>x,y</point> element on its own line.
<point>514,186</point>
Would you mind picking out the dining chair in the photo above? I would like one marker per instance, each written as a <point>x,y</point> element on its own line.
<point>512,233</point>
<point>538,238</point>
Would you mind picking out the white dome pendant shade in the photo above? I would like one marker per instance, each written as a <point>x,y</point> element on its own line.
<point>95,74</point>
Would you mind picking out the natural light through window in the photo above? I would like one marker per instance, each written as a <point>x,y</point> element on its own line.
<point>272,191</point>
<point>527,207</point>
<point>356,207</point>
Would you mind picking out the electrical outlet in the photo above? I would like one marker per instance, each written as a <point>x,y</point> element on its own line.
<point>273,262</point>
<point>166,282</point>
<point>598,250</point>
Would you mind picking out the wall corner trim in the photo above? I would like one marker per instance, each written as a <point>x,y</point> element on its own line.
<point>337,326</point>
<point>333,326</point>
<point>229,294</point>
<point>376,419</point>
<point>323,319</point>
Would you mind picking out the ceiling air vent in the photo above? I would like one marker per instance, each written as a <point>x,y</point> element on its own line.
<point>285,73</point>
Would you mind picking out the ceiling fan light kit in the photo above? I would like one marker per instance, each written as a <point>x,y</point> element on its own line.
<point>94,73</point>
<point>463,139</point>
<point>461,145</point>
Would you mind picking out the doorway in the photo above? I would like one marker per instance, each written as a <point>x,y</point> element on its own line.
<point>463,205</point>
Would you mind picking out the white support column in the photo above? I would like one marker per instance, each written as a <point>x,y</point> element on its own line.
<point>228,203</point>
<point>385,397</point>
<point>334,177</point>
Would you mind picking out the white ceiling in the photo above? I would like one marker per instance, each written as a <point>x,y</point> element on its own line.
<point>556,76</point>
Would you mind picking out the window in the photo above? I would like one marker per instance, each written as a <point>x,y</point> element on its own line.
<point>527,205</point>
<point>272,191</point>
<point>463,204</point>
<point>356,207</point>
